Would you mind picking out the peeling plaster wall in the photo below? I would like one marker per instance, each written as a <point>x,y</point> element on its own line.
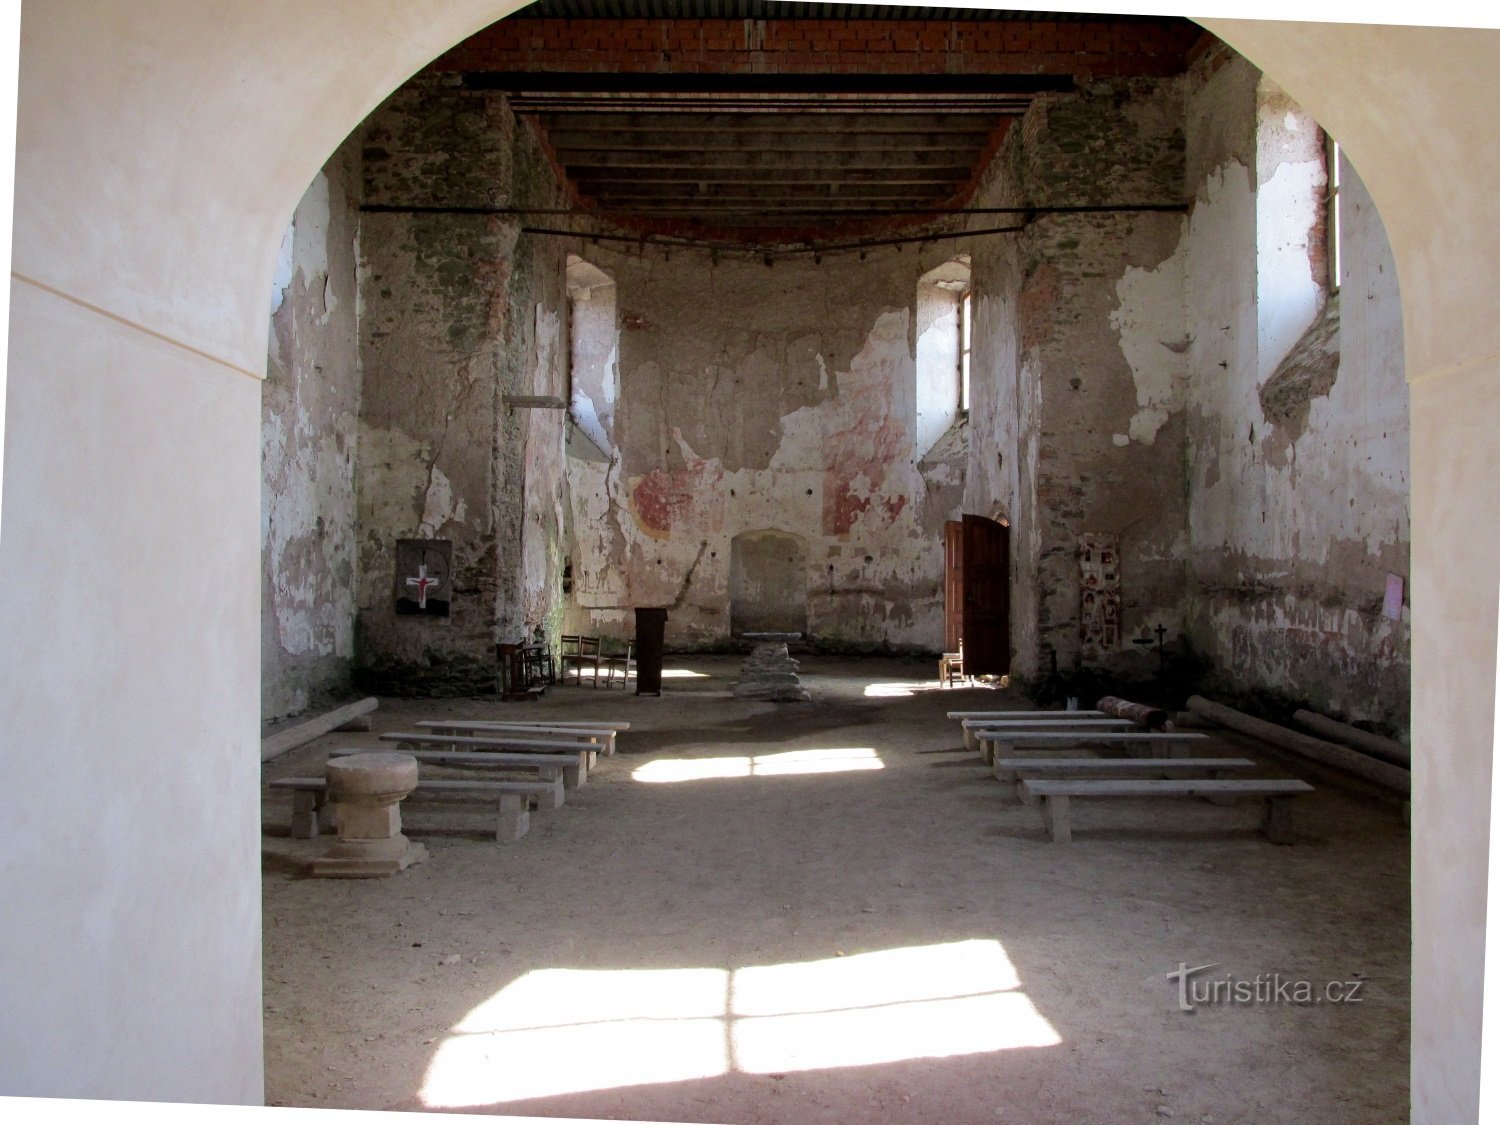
<point>310,404</point>
<point>766,399</point>
<point>1077,423</point>
<point>1299,504</point>
<point>460,310</point>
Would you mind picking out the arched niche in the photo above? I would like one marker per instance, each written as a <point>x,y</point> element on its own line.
<point>768,582</point>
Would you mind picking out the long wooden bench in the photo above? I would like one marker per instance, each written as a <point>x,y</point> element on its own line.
<point>311,809</point>
<point>1026,715</point>
<point>993,744</point>
<point>1011,771</point>
<point>421,740</point>
<point>1276,822</point>
<point>572,768</point>
<point>973,728</point>
<point>603,736</point>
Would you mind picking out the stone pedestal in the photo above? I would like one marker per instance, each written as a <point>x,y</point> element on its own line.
<point>769,673</point>
<point>366,792</point>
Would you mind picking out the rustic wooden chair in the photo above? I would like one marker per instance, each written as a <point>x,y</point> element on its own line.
<point>624,662</point>
<point>951,666</point>
<point>579,651</point>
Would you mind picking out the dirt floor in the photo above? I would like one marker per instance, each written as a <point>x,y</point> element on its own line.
<point>825,913</point>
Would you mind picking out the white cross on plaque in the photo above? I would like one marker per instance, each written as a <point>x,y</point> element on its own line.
<point>423,584</point>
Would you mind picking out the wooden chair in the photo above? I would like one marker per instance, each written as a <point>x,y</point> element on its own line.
<point>579,651</point>
<point>951,666</point>
<point>624,662</point>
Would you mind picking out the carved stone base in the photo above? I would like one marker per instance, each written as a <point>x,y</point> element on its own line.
<point>367,859</point>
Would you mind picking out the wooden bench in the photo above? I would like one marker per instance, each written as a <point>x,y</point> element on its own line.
<point>1163,743</point>
<point>1275,792</point>
<point>312,811</point>
<point>972,728</point>
<point>418,740</point>
<point>603,735</point>
<point>1025,716</point>
<point>1009,771</point>
<point>573,769</point>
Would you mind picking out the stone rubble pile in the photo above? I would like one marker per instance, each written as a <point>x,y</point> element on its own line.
<point>769,673</point>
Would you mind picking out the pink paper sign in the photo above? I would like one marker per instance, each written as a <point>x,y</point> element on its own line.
<point>1395,586</point>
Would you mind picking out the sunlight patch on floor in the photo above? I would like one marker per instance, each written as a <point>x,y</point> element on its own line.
<point>902,690</point>
<point>558,1031</point>
<point>682,674</point>
<point>786,763</point>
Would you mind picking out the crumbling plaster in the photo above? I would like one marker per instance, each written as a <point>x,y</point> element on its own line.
<point>310,404</point>
<point>461,311</point>
<point>1295,519</point>
<point>1077,424</point>
<point>755,398</point>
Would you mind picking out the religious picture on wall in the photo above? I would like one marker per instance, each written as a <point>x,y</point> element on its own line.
<point>424,569</point>
<point>1099,578</point>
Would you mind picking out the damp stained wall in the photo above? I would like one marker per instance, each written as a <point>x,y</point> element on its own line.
<point>309,411</point>
<point>461,310</point>
<point>1297,420</point>
<point>758,398</point>
<point>1077,420</point>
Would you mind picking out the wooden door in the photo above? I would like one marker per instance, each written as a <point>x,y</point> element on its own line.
<point>986,597</point>
<point>953,584</point>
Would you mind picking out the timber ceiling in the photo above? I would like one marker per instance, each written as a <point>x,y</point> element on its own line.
<point>734,134</point>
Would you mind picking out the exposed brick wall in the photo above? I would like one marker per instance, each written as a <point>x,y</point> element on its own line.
<point>1085,49</point>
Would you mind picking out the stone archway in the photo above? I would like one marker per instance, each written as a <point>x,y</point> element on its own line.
<point>149,206</point>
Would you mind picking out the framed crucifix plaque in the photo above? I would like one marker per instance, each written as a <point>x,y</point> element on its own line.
<point>424,571</point>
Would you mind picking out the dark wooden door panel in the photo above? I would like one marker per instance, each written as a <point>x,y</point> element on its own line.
<point>986,597</point>
<point>953,584</point>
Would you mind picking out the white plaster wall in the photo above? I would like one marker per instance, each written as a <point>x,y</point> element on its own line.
<point>131,919</point>
<point>149,207</point>
<point>1427,155</point>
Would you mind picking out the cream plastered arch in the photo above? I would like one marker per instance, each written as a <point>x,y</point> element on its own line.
<point>161,147</point>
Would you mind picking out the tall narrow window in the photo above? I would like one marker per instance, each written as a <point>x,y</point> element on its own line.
<point>1335,225</point>
<point>942,354</point>
<point>965,336</point>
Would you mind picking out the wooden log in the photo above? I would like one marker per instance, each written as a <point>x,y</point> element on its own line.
<point>1386,749</point>
<point>300,734</point>
<point>1143,713</point>
<point>1327,753</point>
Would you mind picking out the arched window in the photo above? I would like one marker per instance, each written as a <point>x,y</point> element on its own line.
<point>944,317</point>
<point>593,352</point>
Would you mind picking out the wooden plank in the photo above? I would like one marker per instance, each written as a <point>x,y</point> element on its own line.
<point>418,739</point>
<point>301,733</point>
<point>1055,797</point>
<point>1051,724</point>
<point>603,737</point>
<point>1386,749</point>
<point>973,728</point>
<point>1168,787</point>
<point>548,724</point>
<point>1028,714</point>
<point>574,768</point>
<point>1328,753</point>
<point>1056,737</point>
<point>990,740</point>
<point>1012,771</point>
